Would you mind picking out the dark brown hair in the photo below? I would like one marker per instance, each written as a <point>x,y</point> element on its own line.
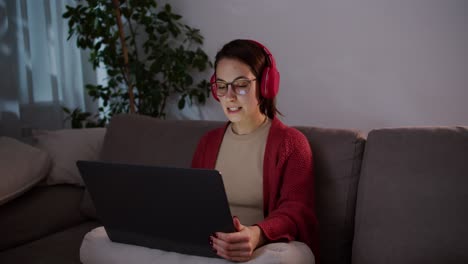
<point>252,55</point>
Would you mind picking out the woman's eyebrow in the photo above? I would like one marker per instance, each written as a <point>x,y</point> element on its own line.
<point>237,78</point>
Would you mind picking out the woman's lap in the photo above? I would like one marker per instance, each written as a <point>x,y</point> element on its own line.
<point>97,248</point>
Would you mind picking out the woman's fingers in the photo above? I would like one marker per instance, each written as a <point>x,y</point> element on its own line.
<point>236,237</point>
<point>225,246</point>
<point>237,223</point>
<point>232,255</point>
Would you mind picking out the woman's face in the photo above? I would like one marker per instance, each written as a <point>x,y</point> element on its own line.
<point>242,110</point>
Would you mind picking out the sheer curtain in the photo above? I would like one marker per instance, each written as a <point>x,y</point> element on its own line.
<point>51,72</point>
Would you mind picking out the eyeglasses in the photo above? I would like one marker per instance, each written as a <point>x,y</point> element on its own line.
<point>239,86</point>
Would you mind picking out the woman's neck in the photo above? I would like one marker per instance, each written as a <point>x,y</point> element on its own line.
<point>248,126</point>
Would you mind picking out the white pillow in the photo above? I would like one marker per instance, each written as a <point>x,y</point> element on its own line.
<point>66,147</point>
<point>21,167</point>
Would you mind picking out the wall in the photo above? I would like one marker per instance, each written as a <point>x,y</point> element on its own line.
<point>350,64</point>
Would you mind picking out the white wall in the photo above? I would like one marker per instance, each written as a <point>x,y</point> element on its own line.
<point>350,64</point>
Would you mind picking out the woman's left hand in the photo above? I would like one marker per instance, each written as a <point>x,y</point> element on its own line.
<point>238,246</point>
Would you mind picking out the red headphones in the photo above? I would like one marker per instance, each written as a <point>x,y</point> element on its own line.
<point>269,85</point>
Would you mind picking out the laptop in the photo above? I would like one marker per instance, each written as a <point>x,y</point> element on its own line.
<point>173,209</point>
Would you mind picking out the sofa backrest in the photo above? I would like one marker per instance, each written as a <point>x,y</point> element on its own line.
<point>138,139</point>
<point>337,158</point>
<point>412,197</point>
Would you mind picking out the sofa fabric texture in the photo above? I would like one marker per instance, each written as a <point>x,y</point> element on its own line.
<point>66,147</point>
<point>151,141</point>
<point>21,167</point>
<point>40,212</point>
<point>337,158</point>
<point>62,247</point>
<point>412,197</point>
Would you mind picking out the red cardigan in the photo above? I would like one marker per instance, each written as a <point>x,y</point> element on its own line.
<point>288,183</point>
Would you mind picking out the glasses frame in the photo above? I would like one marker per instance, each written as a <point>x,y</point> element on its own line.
<point>214,86</point>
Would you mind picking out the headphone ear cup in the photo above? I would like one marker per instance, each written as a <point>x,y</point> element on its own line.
<point>265,82</point>
<point>270,82</point>
<point>213,86</point>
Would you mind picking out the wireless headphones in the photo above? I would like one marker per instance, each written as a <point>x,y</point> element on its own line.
<point>269,84</point>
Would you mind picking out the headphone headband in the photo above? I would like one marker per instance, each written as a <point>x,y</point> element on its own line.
<point>269,56</point>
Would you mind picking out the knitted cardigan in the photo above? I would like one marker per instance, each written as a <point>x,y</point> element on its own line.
<point>288,183</point>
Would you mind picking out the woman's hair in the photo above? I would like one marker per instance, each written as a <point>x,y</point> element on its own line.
<point>252,55</point>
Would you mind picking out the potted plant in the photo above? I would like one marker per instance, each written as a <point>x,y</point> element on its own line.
<point>148,54</point>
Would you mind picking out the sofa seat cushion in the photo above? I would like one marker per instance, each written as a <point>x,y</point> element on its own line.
<point>97,249</point>
<point>412,197</point>
<point>58,248</point>
<point>39,212</point>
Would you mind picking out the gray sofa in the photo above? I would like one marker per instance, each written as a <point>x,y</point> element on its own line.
<point>397,196</point>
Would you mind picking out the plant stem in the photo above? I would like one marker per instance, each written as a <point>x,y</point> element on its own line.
<point>161,111</point>
<point>125,54</point>
<point>132,32</point>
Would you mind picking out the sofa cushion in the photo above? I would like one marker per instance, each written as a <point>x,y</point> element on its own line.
<point>412,197</point>
<point>66,147</point>
<point>337,157</point>
<point>150,141</point>
<point>58,248</point>
<point>21,167</point>
<point>39,212</point>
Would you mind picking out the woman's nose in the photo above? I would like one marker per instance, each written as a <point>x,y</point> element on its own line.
<point>230,92</point>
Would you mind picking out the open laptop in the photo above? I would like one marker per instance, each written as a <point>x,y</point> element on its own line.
<point>173,209</point>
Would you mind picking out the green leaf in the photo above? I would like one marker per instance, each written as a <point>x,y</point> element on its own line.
<point>201,98</point>
<point>168,8</point>
<point>188,80</point>
<point>66,110</point>
<point>181,103</point>
<point>163,16</point>
<point>176,17</point>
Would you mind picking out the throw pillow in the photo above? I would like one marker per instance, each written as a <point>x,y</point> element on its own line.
<point>66,147</point>
<point>21,167</point>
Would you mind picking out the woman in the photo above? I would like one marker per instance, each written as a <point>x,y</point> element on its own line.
<point>266,166</point>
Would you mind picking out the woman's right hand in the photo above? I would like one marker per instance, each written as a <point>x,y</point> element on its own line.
<point>238,246</point>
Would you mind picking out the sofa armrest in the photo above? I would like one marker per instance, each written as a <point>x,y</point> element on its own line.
<point>39,212</point>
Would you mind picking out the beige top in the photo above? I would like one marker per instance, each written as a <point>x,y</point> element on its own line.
<point>240,162</point>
